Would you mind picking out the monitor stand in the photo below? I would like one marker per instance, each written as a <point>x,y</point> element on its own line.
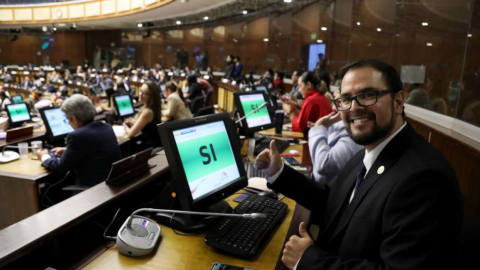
<point>191,223</point>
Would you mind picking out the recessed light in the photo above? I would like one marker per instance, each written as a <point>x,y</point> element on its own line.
<point>44,29</point>
<point>379,29</point>
<point>245,12</point>
<point>323,29</point>
<point>429,44</point>
<point>469,35</point>
<point>205,18</point>
<point>424,23</point>
<point>61,24</point>
<point>140,25</point>
<point>287,1</point>
<point>358,23</point>
<point>265,39</point>
<point>319,41</point>
<point>54,29</point>
<point>178,22</point>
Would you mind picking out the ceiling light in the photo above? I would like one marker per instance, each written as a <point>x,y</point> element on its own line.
<point>319,41</point>
<point>140,25</point>
<point>424,23</point>
<point>379,29</point>
<point>44,29</point>
<point>61,24</point>
<point>358,23</point>
<point>287,1</point>
<point>245,12</point>
<point>469,35</point>
<point>205,18</point>
<point>429,44</point>
<point>179,22</point>
<point>265,39</point>
<point>74,25</point>
<point>323,29</point>
<point>54,29</point>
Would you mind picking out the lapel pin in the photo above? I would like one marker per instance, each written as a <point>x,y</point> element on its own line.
<point>380,169</point>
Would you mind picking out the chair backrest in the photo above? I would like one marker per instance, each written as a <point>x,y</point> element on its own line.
<point>197,104</point>
<point>205,111</point>
<point>207,99</point>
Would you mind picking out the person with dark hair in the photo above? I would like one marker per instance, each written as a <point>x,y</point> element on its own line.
<point>230,67</point>
<point>278,82</point>
<point>148,118</point>
<point>295,95</point>
<point>395,205</point>
<point>50,87</point>
<point>267,77</point>
<point>205,61</point>
<point>26,84</point>
<point>238,70</point>
<point>4,100</point>
<point>194,88</point>
<point>315,106</point>
<point>177,105</point>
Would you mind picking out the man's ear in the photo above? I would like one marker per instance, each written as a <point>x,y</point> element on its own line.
<point>399,101</point>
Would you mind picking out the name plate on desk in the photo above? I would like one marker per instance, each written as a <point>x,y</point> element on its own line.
<point>16,133</point>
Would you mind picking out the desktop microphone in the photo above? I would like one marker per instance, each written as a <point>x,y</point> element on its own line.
<point>10,155</point>
<point>252,112</point>
<point>139,235</point>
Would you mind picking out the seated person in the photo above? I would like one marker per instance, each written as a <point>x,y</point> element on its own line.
<point>54,77</point>
<point>177,105</point>
<point>37,82</point>
<point>148,117</point>
<point>91,148</point>
<point>278,81</point>
<point>26,84</point>
<point>295,95</point>
<point>194,88</point>
<point>267,77</point>
<point>4,100</point>
<point>315,106</point>
<point>121,88</point>
<point>50,87</point>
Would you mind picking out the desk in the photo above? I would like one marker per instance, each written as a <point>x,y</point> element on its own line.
<point>225,96</point>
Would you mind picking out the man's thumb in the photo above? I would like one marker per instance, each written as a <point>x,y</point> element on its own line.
<point>302,229</point>
<point>273,148</point>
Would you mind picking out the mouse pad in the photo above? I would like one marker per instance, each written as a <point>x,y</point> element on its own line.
<point>242,197</point>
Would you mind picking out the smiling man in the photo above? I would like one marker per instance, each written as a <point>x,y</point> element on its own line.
<point>395,205</point>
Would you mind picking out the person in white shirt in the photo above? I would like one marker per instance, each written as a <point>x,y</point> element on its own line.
<point>177,104</point>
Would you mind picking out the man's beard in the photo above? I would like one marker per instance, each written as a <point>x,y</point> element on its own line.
<point>375,134</point>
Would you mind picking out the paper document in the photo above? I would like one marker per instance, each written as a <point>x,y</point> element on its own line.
<point>119,131</point>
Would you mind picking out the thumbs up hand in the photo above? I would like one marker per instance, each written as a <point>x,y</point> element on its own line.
<point>296,246</point>
<point>269,160</point>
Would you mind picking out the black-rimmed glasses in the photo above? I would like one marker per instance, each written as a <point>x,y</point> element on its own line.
<point>364,99</point>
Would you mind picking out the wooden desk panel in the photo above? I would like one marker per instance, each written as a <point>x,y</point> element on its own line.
<point>191,252</point>
<point>24,166</point>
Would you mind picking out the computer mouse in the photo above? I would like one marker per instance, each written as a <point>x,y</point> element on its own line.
<point>268,194</point>
<point>36,119</point>
<point>293,152</point>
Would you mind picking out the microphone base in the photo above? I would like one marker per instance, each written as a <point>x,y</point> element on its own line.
<point>192,223</point>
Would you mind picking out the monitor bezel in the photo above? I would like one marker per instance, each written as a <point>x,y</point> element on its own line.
<point>183,193</point>
<point>51,137</point>
<point>116,106</point>
<point>16,96</point>
<point>241,112</point>
<point>272,101</point>
<point>10,118</point>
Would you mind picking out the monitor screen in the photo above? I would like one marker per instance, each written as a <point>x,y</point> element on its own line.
<point>17,99</point>
<point>252,102</point>
<point>124,105</point>
<point>204,158</point>
<point>18,112</point>
<point>213,165</point>
<point>57,121</point>
<point>162,87</point>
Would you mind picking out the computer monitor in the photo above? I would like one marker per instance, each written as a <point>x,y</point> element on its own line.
<point>204,158</point>
<point>246,102</point>
<point>18,113</point>
<point>162,87</point>
<point>264,88</point>
<point>17,99</point>
<point>56,124</point>
<point>123,106</point>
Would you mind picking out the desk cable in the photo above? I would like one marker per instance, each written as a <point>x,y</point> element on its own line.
<point>113,238</point>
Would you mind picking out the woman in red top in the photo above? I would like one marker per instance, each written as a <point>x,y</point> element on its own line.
<point>315,105</point>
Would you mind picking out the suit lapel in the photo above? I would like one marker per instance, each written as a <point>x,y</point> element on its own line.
<point>390,154</point>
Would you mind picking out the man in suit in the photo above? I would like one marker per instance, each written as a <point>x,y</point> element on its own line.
<point>395,205</point>
<point>91,148</point>
<point>238,71</point>
<point>26,84</point>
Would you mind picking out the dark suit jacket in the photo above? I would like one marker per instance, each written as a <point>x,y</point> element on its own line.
<point>91,150</point>
<point>407,217</point>
<point>229,70</point>
<point>237,72</point>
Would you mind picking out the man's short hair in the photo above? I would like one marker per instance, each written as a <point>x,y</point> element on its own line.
<point>79,106</point>
<point>389,73</point>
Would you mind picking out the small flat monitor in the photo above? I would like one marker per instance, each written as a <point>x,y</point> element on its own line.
<point>247,102</point>
<point>18,113</point>
<point>162,87</point>
<point>264,88</point>
<point>17,99</point>
<point>204,158</point>
<point>123,105</point>
<point>56,124</point>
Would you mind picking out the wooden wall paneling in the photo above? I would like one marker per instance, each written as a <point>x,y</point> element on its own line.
<point>338,46</point>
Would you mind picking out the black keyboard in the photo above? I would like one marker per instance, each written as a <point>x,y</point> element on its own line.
<point>252,171</point>
<point>265,144</point>
<point>243,237</point>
